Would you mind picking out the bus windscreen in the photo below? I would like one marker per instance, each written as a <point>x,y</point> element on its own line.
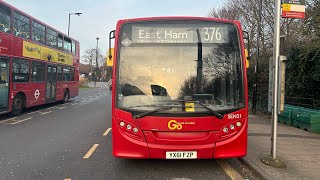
<point>165,63</point>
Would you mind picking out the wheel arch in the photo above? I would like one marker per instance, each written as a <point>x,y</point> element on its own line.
<point>24,97</point>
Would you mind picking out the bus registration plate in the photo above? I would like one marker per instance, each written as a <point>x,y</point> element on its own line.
<point>181,155</point>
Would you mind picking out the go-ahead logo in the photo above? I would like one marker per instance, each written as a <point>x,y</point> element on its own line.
<point>175,125</point>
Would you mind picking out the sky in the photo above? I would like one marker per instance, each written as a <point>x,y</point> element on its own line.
<point>100,16</point>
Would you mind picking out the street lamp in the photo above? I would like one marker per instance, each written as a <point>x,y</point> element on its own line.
<point>97,65</point>
<point>78,14</point>
<point>97,53</point>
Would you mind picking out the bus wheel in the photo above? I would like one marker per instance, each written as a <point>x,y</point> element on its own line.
<point>66,97</point>
<point>17,105</point>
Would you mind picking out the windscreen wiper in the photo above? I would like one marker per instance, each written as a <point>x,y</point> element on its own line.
<point>215,113</point>
<point>141,115</point>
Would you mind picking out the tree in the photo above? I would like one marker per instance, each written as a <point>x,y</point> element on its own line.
<point>90,58</point>
<point>303,67</point>
<point>300,41</point>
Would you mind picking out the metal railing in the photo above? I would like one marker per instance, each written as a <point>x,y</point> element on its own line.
<point>262,103</point>
<point>303,102</point>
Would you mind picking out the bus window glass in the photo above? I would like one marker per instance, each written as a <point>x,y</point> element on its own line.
<point>66,73</point>
<point>150,67</point>
<point>38,32</point>
<point>20,70</point>
<point>67,45</point>
<point>72,74</point>
<point>73,47</point>
<point>21,26</point>
<point>60,42</point>
<point>5,16</point>
<point>38,71</point>
<point>4,72</point>
<point>52,38</point>
<point>60,73</point>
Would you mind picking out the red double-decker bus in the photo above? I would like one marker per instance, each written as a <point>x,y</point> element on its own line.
<point>179,88</point>
<point>38,64</point>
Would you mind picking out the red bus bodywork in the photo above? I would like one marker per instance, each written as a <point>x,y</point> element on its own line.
<point>154,138</point>
<point>34,93</point>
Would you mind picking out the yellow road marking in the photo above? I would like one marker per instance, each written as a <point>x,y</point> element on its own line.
<point>90,151</point>
<point>8,120</point>
<point>21,120</point>
<point>51,107</point>
<point>107,132</point>
<point>233,174</point>
<point>62,107</point>
<point>46,112</point>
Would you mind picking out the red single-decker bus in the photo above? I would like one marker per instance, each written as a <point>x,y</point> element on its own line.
<point>179,88</point>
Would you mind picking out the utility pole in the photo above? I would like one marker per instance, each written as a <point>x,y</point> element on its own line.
<point>256,69</point>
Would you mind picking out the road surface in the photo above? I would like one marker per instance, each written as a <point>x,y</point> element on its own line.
<point>73,141</point>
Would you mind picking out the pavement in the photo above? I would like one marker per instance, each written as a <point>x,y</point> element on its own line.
<point>98,84</point>
<point>73,141</point>
<point>299,149</point>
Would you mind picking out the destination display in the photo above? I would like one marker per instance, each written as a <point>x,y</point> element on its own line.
<point>175,34</point>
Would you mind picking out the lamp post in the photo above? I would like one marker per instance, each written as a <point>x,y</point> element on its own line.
<point>91,59</point>
<point>78,14</point>
<point>97,65</point>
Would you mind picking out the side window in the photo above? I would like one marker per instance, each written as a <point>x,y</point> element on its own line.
<point>20,70</point>
<point>66,73</point>
<point>60,41</point>
<point>59,73</point>
<point>73,47</point>
<point>21,25</point>
<point>38,71</point>
<point>52,38</point>
<point>5,16</point>
<point>38,32</point>
<point>67,45</point>
<point>4,72</point>
<point>72,74</point>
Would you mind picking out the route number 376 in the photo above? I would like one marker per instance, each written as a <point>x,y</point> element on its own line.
<point>212,34</point>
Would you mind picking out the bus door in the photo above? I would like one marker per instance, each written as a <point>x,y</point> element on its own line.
<point>51,83</point>
<point>4,83</point>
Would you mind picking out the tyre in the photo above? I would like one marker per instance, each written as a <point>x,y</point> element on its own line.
<point>66,97</point>
<point>17,105</point>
